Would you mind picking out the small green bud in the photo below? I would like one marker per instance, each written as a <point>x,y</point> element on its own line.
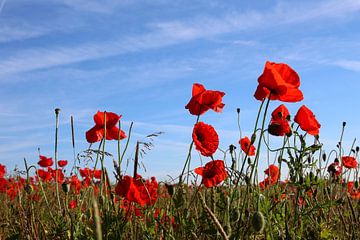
<point>258,222</point>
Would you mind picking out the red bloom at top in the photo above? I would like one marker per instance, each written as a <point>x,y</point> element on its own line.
<point>62,163</point>
<point>307,121</point>
<point>280,82</point>
<point>213,173</point>
<point>203,100</point>
<point>273,173</point>
<point>205,138</point>
<point>2,171</point>
<point>45,162</point>
<point>349,162</point>
<point>97,133</point>
<point>247,147</point>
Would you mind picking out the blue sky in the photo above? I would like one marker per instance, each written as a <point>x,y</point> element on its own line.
<point>140,59</point>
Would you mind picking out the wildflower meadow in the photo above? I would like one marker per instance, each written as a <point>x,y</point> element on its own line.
<point>305,192</point>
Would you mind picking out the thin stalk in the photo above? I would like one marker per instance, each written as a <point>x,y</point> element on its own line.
<point>57,111</point>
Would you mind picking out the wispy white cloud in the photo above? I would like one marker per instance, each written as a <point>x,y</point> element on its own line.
<point>172,32</point>
<point>353,65</point>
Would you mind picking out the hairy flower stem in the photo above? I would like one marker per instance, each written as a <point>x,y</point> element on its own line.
<point>57,111</point>
<point>214,218</point>
<point>73,143</point>
<point>136,163</point>
<point>188,158</point>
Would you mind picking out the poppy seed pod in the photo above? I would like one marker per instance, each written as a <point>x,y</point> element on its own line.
<point>28,188</point>
<point>65,187</point>
<point>238,110</point>
<point>57,110</point>
<point>258,222</point>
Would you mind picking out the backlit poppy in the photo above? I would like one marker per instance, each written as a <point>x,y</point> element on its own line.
<point>45,162</point>
<point>307,121</point>
<point>335,169</point>
<point>247,147</point>
<point>62,163</point>
<point>203,100</point>
<point>212,173</point>
<point>2,171</point>
<point>97,133</point>
<point>205,138</point>
<point>273,173</point>
<point>349,162</point>
<point>138,190</point>
<point>280,82</point>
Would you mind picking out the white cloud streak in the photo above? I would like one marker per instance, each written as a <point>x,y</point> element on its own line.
<point>174,32</point>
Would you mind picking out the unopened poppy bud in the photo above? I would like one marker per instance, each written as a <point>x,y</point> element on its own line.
<point>324,157</point>
<point>57,110</point>
<point>170,189</point>
<point>253,138</point>
<point>258,222</point>
<point>336,160</point>
<point>65,187</point>
<point>344,124</point>
<point>28,188</point>
<point>356,184</point>
<point>249,161</point>
<point>238,110</point>
<point>232,148</point>
<point>357,149</point>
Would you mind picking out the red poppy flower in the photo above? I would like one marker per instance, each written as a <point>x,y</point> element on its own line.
<point>335,169</point>
<point>45,162</point>
<point>354,193</point>
<point>97,133</point>
<point>280,82</point>
<point>60,175</point>
<point>273,173</point>
<point>205,138</point>
<point>138,190</point>
<point>72,204</point>
<point>279,128</point>
<point>349,162</point>
<point>44,175</point>
<point>280,113</point>
<point>213,173</point>
<point>3,185</point>
<point>2,171</point>
<point>75,184</point>
<point>307,121</point>
<point>62,163</point>
<point>86,172</point>
<point>97,174</point>
<point>203,100</point>
<point>247,147</point>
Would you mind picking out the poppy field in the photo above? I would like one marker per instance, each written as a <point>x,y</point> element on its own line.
<point>307,192</point>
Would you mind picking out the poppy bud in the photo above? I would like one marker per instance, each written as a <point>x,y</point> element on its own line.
<point>249,161</point>
<point>253,138</point>
<point>258,222</point>
<point>57,111</point>
<point>344,124</point>
<point>357,149</point>
<point>311,176</point>
<point>356,184</point>
<point>28,188</point>
<point>324,157</point>
<point>232,148</point>
<point>336,160</point>
<point>65,187</point>
<point>170,189</point>
<point>238,110</point>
